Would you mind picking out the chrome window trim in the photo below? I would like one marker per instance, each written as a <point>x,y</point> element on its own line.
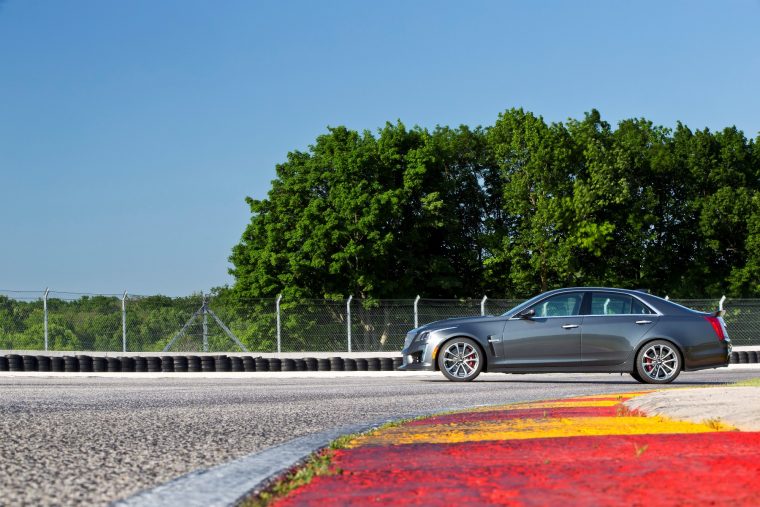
<point>625,292</point>
<point>623,315</point>
<point>553,317</point>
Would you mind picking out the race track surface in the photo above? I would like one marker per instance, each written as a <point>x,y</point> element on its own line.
<point>68,441</point>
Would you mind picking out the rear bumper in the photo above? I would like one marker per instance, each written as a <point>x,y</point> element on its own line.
<point>715,355</point>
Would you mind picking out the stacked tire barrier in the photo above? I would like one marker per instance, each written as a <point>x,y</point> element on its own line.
<point>197,364</point>
<point>745,357</point>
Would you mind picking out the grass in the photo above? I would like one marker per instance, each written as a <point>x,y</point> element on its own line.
<point>318,464</point>
<point>715,424</point>
<point>752,382</point>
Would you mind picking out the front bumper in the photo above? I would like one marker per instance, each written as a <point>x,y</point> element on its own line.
<point>418,357</point>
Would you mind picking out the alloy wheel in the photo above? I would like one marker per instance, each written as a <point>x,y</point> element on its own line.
<point>659,362</point>
<point>461,360</point>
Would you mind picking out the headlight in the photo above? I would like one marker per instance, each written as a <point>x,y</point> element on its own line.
<point>422,337</point>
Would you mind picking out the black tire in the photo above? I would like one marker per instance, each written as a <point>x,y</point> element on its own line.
<point>288,365</point>
<point>236,363</point>
<point>167,364</point>
<point>3,363</point>
<point>85,363</point>
<point>275,364</point>
<point>30,363</point>
<point>349,364</point>
<point>141,364</point>
<point>311,363</point>
<point>153,363</point>
<point>99,364</point>
<point>43,363</point>
<point>127,364</point>
<point>57,364</point>
<point>397,362</point>
<point>208,363</point>
<point>249,364</point>
<point>262,364</point>
<point>114,364</point>
<point>658,362</point>
<point>300,365</point>
<point>361,364</point>
<point>180,364</point>
<point>15,363</point>
<point>743,357</point>
<point>461,360</point>
<point>386,364</point>
<point>70,364</point>
<point>337,364</point>
<point>637,377</point>
<point>752,356</point>
<point>373,364</point>
<point>223,363</point>
<point>194,364</point>
<point>323,364</point>
<point>734,357</point>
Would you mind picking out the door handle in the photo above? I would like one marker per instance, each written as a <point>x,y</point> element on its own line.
<point>569,326</point>
<point>643,322</point>
<point>494,339</point>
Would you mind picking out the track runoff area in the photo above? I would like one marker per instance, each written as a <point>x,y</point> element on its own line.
<point>588,450</point>
<point>73,440</point>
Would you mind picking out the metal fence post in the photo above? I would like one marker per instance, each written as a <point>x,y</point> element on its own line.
<point>279,328</point>
<point>416,313</point>
<point>205,323</point>
<point>348,321</point>
<point>124,322</point>
<point>45,315</point>
<point>483,306</point>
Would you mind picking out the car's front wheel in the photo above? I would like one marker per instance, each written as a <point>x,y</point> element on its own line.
<point>460,360</point>
<point>658,362</point>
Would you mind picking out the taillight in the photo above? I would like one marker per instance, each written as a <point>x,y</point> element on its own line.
<point>717,327</point>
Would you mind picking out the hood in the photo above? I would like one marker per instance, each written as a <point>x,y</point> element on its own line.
<point>455,321</point>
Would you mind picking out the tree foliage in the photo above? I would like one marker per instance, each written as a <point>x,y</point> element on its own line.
<point>509,210</point>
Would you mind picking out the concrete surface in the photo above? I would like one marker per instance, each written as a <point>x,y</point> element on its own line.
<point>736,406</point>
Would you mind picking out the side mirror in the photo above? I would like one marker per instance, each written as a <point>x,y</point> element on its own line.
<point>527,314</point>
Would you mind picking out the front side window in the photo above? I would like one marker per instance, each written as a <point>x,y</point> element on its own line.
<point>561,305</point>
<point>603,303</point>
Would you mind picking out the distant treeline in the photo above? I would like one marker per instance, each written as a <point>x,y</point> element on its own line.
<point>508,210</point>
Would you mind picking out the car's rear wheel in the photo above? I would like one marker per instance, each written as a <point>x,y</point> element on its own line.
<point>636,376</point>
<point>658,362</point>
<point>460,360</point>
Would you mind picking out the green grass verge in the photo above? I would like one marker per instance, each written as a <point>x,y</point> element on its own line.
<point>752,382</point>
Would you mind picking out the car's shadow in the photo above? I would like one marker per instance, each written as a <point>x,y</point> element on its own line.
<point>605,382</point>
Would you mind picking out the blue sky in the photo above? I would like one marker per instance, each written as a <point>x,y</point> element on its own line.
<point>132,131</point>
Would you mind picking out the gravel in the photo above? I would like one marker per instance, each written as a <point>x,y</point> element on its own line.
<point>70,441</point>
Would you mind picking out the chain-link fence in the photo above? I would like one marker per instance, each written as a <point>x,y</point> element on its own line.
<point>61,321</point>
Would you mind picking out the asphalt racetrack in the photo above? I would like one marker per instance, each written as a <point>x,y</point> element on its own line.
<point>69,441</point>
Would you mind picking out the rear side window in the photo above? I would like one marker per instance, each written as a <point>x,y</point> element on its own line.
<point>605,303</point>
<point>640,308</point>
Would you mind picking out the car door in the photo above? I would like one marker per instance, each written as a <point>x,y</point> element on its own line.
<point>550,338</point>
<point>612,326</point>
